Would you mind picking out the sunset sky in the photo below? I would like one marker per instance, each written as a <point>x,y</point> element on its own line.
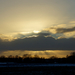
<point>42,27</point>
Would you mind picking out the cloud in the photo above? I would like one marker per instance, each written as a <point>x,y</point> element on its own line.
<point>32,34</point>
<point>69,34</point>
<point>72,22</point>
<point>60,29</point>
<point>22,35</point>
<point>4,37</point>
<point>44,33</point>
<point>52,29</point>
<point>38,43</point>
<point>64,30</point>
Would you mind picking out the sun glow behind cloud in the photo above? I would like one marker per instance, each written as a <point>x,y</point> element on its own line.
<point>33,16</point>
<point>43,23</point>
<point>36,31</point>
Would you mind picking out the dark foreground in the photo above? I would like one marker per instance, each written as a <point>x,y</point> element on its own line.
<point>37,70</point>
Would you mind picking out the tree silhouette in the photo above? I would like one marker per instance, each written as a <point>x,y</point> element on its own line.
<point>73,54</point>
<point>26,56</point>
<point>36,56</point>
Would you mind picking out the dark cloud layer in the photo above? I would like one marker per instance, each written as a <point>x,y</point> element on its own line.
<point>64,30</point>
<point>38,43</point>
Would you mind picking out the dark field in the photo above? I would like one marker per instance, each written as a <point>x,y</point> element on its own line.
<point>37,70</point>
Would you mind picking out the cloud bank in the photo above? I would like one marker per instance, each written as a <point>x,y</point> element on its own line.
<point>38,43</point>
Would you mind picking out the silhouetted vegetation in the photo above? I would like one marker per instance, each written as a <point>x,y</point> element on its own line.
<point>27,58</point>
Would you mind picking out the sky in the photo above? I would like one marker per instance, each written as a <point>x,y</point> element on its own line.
<point>43,27</point>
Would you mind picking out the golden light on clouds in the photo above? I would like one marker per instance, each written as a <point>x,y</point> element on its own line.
<point>69,34</point>
<point>34,16</point>
<point>21,20</point>
<point>45,54</point>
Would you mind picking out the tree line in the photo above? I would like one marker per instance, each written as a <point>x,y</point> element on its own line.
<point>27,58</point>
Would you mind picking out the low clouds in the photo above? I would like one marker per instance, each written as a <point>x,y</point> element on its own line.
<point>38,43</point>
<point>25,42</point>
